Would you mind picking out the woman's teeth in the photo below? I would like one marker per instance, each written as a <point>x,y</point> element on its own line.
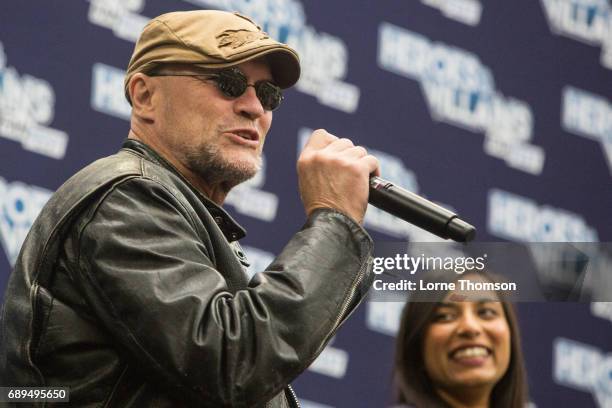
<point>471,352</point>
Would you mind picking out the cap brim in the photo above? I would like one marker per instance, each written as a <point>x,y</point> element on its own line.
<point>285,67</point>
<point>284,64</point>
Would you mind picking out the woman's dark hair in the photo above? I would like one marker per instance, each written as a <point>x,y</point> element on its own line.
<point>413,383</point>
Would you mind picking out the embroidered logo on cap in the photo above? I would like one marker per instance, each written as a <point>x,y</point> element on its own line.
<point>238,38</point>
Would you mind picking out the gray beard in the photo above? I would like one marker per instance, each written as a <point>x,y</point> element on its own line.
<point>211,166</point>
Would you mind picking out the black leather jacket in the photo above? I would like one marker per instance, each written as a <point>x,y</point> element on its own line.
<point>130,289</point>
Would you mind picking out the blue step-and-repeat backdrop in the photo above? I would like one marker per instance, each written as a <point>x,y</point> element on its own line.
<point>501,110</point>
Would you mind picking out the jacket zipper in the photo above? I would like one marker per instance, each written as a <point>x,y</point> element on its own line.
<point>293,401</point>
<point>339,319</point>
<point>296,402</point>
<point>346,303</point>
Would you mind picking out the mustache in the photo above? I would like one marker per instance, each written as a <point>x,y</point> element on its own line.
<point>246,124</point>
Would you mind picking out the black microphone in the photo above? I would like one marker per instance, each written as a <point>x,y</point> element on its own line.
<point>418,211</point>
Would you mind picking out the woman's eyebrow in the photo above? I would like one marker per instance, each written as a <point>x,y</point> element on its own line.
<point>451,305</point>
<point>487,300</point>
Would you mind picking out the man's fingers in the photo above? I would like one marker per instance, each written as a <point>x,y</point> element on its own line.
<point>356,152</point>
<point>339,145</point>
<point>360,153</point>
<point>319,139</point>
<point>322,140</point>
<point>372,163</point>
<point>334,173</point>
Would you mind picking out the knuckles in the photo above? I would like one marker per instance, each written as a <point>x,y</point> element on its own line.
<point>323,134</point>
<point>320,159</point>
<point>345,142</point>
<point>343,156</point>
<point>361,150</point>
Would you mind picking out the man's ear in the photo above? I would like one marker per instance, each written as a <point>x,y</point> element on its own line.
<point>142,88</point>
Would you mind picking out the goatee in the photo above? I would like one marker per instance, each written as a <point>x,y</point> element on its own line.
<point>209,164</point>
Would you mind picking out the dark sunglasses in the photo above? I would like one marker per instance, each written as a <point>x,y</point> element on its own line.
<point>233,83</point>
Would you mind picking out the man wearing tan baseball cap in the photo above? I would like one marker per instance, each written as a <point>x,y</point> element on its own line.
<point>131,289</point>
<point>210,39</point>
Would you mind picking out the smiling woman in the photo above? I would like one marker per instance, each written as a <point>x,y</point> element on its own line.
<point>461,351</point>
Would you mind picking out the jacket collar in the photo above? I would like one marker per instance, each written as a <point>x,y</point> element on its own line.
<point>230,228</point>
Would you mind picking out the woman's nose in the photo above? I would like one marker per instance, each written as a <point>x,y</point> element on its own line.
<point>468,325</point>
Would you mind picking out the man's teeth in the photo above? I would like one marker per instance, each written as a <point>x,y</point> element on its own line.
<point>471,352</point>
<point>244,135</point>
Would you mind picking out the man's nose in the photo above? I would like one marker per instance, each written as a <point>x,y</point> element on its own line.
<point>248,104</point>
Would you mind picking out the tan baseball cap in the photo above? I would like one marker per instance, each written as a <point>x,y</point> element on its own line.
<point>210,39</point>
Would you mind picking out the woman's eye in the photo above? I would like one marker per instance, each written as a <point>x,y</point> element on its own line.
<point>488,312</point>
<point>443,317</point>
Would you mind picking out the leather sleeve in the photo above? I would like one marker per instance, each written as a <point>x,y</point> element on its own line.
<point>147,275</point>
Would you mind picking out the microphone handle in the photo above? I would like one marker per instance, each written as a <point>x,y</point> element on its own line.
<point>418,211</point>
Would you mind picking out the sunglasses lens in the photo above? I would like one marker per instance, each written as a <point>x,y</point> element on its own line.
<point>269,95</point>
<point>232,83</point>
